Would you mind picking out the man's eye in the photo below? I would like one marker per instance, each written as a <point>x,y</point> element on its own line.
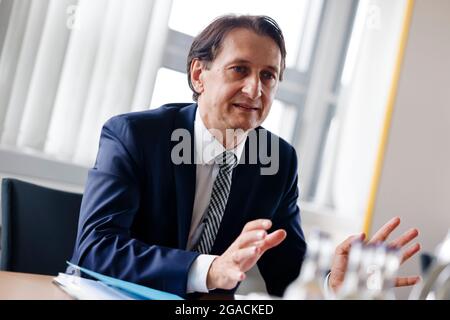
<point>240,69</point>
<point>268,75</point>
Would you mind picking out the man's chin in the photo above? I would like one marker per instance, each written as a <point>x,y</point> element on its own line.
<point>245,125</point>
<point>237,120</point>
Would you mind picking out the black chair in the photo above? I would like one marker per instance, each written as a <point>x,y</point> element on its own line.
<point>39,227</point>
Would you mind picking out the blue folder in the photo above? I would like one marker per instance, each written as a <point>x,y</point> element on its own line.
<point>133,290</point>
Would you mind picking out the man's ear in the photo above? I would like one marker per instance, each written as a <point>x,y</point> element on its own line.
<point>197,68</point>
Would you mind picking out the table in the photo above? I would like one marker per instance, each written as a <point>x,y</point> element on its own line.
<point>26,286</point>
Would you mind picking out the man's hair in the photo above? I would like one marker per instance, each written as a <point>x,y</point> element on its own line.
<point>207,44</point>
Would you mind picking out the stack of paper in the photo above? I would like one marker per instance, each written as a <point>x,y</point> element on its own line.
<point>107,288</point>
<point>84,289</point>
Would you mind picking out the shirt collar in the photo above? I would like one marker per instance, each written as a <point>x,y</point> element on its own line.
<point>207,148</point>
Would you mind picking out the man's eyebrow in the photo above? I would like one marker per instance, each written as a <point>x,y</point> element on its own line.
<point>273,68</point>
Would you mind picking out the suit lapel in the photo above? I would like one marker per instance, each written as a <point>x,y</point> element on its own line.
<point>185,176</point>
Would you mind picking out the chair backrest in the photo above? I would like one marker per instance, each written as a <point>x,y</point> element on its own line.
<point>39,227</point>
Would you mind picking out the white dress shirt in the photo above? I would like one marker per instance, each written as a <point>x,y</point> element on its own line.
<point>206,149</point>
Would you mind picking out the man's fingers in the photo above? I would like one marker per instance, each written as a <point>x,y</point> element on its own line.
<point>385,230</point>
<point>401,241</point>
<point>406,281</point>
<point>410,252</point>
<point>273,239</point>
<point>404,238</point>
<point>244,254</point>
<point>264,224</point>
<point>250,237</point>
<point>345,246</point>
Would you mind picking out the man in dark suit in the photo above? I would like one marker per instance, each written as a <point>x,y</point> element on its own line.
<point>183,198</point>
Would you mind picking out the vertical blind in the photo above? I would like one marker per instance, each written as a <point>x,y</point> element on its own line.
<point>66,66</point>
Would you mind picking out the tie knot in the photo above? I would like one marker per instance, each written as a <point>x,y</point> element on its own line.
<point>226,160</point>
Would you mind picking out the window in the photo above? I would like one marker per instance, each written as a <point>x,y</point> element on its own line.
<point>291,15</point>
<point>67,66</point>
<point>281,119</point>
<point>337,173</point>
<point>170,87</point>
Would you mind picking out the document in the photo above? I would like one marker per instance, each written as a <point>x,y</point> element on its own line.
<point>106,288</point>
<point>85,289</point>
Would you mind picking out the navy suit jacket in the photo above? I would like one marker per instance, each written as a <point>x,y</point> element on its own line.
<point>137,205</point>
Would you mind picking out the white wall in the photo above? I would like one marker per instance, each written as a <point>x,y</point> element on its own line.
<point>41,169</point>
<point>415,180</point>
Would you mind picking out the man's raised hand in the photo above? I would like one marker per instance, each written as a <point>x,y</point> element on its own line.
<point>340,260</point>
<point>229,269</point>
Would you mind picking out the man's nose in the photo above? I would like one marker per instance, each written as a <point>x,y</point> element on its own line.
<point>252,87</point>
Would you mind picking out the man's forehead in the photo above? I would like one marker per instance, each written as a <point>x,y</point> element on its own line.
<point>246,46</point>
<point>242,35</point>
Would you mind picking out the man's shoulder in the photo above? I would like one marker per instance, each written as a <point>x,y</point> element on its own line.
<point>164,113</point>
<point>154,119</point>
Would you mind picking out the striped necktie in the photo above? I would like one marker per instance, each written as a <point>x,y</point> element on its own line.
<point>219,196</point>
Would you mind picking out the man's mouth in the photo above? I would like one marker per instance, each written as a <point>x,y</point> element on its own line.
<point>245,107</point>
